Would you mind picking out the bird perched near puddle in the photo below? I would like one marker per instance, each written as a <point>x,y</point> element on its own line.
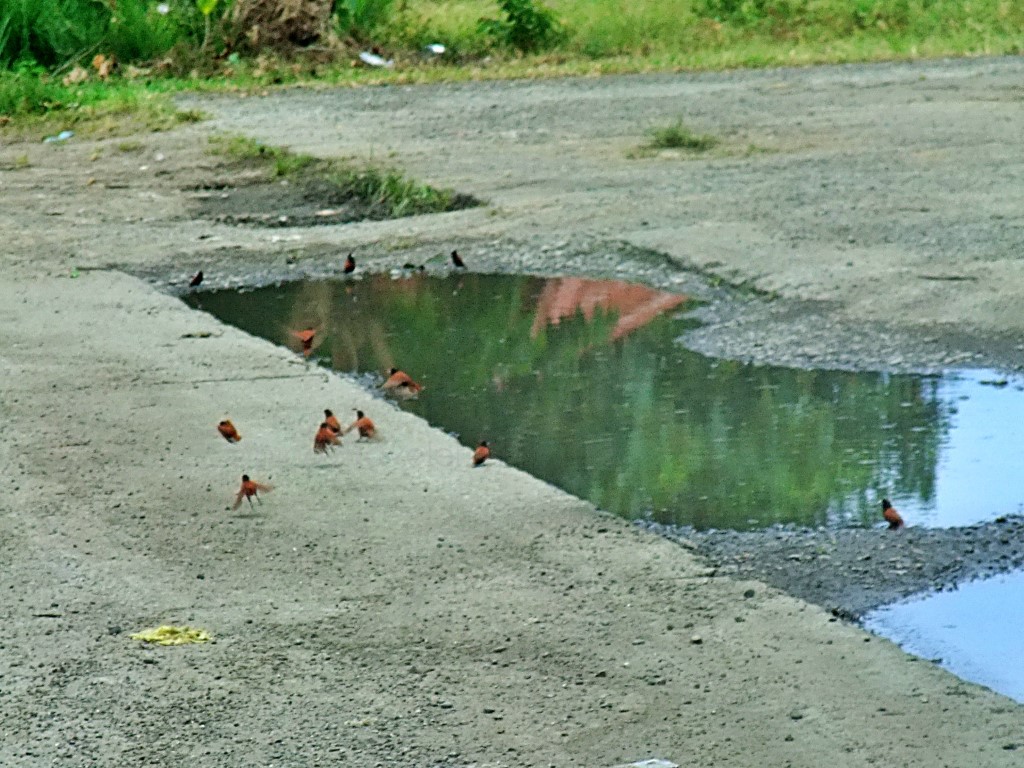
<point>197,278</point>
<point>350,265</point>
<point>331,420</point>
<point>400,384</point>
<point>481,454</point>
<point>367,429</point>
<point>250,490</point>
<point>325,440</point>
<point>892,517</point>
<point>228,432</point>
<point>457,260</point>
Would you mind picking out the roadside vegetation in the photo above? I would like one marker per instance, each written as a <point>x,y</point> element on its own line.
<point>97,63</point>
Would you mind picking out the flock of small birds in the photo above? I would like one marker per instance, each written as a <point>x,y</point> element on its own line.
<point>398,384</point>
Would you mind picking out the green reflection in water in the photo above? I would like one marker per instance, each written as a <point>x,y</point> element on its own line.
<point>581,383</point>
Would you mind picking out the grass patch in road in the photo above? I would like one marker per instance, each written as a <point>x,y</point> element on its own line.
<point>678,136</point>
<point>375,192</point>
<point>674,136</point>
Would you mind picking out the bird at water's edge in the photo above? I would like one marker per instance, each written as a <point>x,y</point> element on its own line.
<point>400,383</point>
<point>481,454</point>
<point>197,278</point>
<point>457,260</point>
<point>350,265</point>
<point>892,517</point>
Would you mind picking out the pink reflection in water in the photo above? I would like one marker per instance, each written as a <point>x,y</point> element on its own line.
<point>636,305</point>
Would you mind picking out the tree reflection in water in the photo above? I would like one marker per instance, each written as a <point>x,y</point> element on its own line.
<point>581,383</point>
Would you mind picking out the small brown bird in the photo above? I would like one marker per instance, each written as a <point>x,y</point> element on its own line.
<point>228,432</point>
<point>326,438</point>
<point>401,384</point>
<point>308,339</point>
<point>197,278</point>
<point>367,429</point>
<point>250,490</point>
<point>331,420</point>
<point>457,260</point>
<point>892,517</point>
<point>350,265</point>
<point>481,454</point>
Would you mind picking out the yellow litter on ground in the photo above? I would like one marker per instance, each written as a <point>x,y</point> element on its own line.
<point>171,635</point>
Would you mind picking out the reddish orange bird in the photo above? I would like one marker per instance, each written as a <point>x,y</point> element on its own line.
<point>228,432</point>
<point>457,260</point>
<point>401,384</point>
<point>250,490</point>
<point>308,339</point>
<point>892,517</point>
<point>481,454</point>
<point>325,440</point>
<point>367,429</point>
<point>350,265</point>
<point>331,420</point>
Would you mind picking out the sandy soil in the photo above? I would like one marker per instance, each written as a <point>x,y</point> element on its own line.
<point>388,605</point>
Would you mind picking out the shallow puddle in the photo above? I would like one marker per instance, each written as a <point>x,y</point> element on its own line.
<point>972,631</point>
<point>583,383</point>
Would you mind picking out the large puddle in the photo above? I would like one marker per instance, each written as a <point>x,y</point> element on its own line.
<point>583,383</point>
<point>972,631</point>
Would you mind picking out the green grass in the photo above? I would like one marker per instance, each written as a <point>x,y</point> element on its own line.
<point>383,192</point>
<point>594,37</point>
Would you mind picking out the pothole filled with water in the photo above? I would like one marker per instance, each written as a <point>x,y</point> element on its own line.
<point>584,383</point>
<point>966,630</point>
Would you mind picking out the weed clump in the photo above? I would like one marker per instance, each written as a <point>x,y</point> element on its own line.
<point>678,136</point>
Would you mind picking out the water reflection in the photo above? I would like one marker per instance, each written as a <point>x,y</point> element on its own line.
<point>581,383</point>
<point>970,629</point>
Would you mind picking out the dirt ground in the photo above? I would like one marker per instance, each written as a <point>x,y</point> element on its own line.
<point>388,605</point>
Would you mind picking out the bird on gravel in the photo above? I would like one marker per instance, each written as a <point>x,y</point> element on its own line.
<point>250,489</point>
<point>228,432</point>
<point>331,420</point>
<point>367,429</point>
<point>892,517</point>
<point>325,440</point>
<point>350,265</point>
<point>481,454</point>
<point>197,278</point>
<point>457,260</point>
<point>400,384</point>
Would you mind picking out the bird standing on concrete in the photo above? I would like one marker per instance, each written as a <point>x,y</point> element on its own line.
<point>367,429</point>
<point>325,439</point>
<point>250,490</point>
<point>228,432</point>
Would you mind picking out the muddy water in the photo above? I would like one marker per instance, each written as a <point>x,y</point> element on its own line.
<point>584,384</point>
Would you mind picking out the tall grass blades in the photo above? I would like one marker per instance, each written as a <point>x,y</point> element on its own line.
<point>361,18</point>
<point>51,33</point>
